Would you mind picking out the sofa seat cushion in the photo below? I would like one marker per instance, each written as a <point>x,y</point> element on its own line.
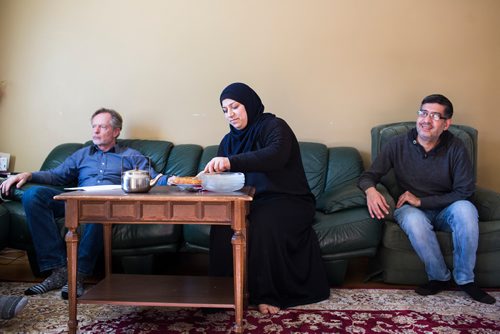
<point>347,231</point>
<point>133,236</point>
<point>404,267</point>
<point>350,231</point>
<point>344,196</point>
<point>401,265</point>
<point>196,238</point>
<point>489,236</point>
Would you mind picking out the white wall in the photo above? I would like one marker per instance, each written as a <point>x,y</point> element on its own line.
<point>332,68</point>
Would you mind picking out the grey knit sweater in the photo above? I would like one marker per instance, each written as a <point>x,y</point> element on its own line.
<point>438,177</point>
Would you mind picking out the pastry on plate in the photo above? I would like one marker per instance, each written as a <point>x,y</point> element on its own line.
<point>185,180</point>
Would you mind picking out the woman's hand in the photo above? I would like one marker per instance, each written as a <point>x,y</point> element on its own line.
<point>170,180</point>
<point>218,164</point>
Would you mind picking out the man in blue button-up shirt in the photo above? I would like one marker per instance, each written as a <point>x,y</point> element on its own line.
<point>98,164</point>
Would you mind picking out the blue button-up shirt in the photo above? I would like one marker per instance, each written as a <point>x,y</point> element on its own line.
<point>89,166</point>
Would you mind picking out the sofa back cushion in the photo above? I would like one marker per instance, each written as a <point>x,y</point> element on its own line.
<point>157,150</point>
<point>59,154</point>
<point>329,168</point>
<point>325,168</point>
<point>344,165</point>
<point>314,157</point>
<point>180,160</point>
<point>341,191</point>
<point>209,152</point>
<point>183,160</point>
<point>315,161</point>
<point>382,134</point>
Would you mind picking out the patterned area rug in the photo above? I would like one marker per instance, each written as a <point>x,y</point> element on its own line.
<point>347,311</point>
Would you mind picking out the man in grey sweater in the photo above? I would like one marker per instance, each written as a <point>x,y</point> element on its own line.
<point>435,174</point>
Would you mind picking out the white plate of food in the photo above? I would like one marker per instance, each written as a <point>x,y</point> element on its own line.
<point>189,183</point>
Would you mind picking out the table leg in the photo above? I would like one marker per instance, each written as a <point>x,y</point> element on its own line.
<point>244,265</point>
<point>72,253</point>
<point>238,253</point>
<point>107,233</point>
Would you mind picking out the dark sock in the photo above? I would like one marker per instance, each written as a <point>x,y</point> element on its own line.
<point>432,287</point>
<point>80,278</point>
<point>56,280</point>
<point>477,294</point>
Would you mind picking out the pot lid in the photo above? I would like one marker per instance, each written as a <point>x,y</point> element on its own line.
<point>136,172</point>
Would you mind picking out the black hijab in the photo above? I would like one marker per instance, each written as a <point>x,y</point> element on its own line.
<point>239,141</point>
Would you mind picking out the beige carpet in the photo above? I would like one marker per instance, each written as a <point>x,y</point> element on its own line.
<point>48,313</point>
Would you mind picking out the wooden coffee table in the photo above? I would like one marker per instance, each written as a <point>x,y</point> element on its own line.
<point>162,205</point>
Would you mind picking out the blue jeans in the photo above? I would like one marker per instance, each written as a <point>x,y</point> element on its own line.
<point>41,214</point>
<point>461,219</point>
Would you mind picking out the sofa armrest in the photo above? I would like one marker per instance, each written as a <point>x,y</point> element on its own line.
<point>344,196</point>
<point>487,203</point>
<point>16,194</point>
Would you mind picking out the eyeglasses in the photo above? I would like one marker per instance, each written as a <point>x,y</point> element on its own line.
<point>434,115</point>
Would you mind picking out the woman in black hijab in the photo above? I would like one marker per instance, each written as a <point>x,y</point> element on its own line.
<point>284,260</point>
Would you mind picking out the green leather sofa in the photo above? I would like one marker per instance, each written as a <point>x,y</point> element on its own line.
<point>399,264</point>
<point>4,227</point>
<point>342,223</point>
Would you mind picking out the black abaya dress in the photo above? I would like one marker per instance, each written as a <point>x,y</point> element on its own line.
<point>285,268</point>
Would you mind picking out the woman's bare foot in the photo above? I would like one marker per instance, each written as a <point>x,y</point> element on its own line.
<point>268,309</point>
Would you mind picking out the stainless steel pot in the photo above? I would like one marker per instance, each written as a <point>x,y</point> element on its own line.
<point>138,181</point>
